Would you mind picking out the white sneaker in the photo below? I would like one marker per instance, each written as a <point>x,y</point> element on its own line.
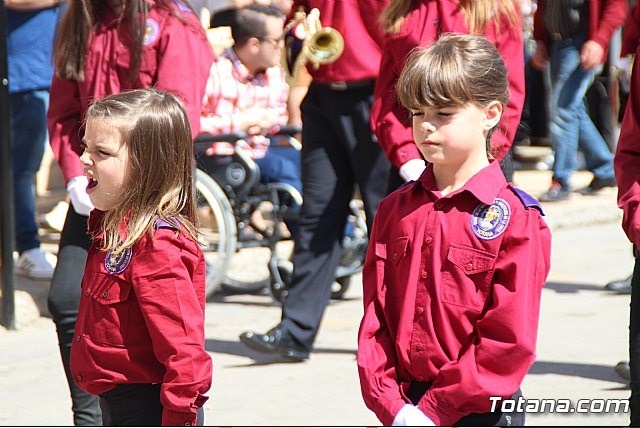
<point>34,264</point>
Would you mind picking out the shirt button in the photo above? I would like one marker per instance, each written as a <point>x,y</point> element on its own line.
<point>419,347</point>
<point>469,266</point>
<point>79,377</point>
<point>395,256</point>
<point>105,295</point>
<point>438,205</point>
<point>420,310</point>
<point>87,293</point>
<point>424,274</point>
<point>78,338</point>
<point>428,239</point>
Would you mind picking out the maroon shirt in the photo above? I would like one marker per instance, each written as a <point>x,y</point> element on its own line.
<point>627,159</point>
<point>421,27</point>
<point>631,32</point>
<point>357,21</point>
<point>176,57</point>
<point>141,320</point>
<point>452,291</point>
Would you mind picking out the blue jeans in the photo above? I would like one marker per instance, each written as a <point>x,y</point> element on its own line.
<point>28,139</point>
<point>571,127</point>
<point>282,165</point>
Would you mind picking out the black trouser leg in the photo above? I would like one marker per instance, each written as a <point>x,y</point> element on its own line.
<point>63,301</point>
<point>338,151</point>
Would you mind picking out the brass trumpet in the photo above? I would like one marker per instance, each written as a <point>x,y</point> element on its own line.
<point>306,40</point>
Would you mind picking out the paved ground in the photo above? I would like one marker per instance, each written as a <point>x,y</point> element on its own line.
<point>583,333</point>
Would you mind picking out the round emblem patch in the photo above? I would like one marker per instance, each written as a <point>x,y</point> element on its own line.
<point>117,262</point>
<point>151,31</point>
<point>490,221</point>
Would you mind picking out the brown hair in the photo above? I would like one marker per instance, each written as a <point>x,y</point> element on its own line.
<point>159,182</point>
<point>77,24</point>
<point>478,13</point>
<point>455,70</point>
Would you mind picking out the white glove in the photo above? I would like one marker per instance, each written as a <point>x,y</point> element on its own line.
<point>410,415</point>
<point>77,188</point>
<point>412,170</point>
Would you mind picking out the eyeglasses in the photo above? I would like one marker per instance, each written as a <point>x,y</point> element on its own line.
<point>272,40</point>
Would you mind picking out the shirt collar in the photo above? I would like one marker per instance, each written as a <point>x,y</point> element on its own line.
<point>484,185</point>
<point>241,71</point>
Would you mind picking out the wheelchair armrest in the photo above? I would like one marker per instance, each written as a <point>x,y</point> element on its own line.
<point>204,141</point>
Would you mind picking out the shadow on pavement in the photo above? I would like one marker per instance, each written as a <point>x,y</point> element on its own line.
<point>560,287</point>
<point>259,359</point>
<point>588,371</point>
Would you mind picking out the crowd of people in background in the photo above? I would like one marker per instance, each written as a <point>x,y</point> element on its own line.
<point>358,135</point>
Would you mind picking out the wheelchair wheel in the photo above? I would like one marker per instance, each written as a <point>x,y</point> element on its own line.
<point>216,231</point>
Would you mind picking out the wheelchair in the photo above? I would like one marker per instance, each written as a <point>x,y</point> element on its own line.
<point>229,194</point>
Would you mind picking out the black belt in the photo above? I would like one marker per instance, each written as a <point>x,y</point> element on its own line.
<point>344,86</point>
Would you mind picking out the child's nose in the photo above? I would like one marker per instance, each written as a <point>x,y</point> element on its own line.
<point>428,126</point>
<point>85,159</point>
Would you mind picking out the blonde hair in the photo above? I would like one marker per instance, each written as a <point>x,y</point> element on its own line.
<point>478,13</point>
<point>155,130</point>
<point>455,70</point>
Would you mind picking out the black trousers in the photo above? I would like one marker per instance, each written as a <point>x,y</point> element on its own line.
<point>489,419</point>
<point>63,302</point>
<point>139,405</point>
<point>634,343</point>
<point>338,152</point>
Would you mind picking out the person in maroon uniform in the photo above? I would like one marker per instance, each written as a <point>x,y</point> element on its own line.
<point>338,152</point>
<point>139,338</point>
<point>627,169</point>
<point>103,47</point>
<point>457,259</point>
<point>409,24</point>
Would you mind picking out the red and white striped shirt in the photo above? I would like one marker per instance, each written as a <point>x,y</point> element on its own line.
<point>232,90</point>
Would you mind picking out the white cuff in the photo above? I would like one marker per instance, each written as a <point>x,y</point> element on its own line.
<point>412,170</point>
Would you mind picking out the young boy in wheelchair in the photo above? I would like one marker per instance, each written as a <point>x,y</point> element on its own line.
<point>247,93</point>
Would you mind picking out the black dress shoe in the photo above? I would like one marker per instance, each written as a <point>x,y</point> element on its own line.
<point>557,192</point>
<point>622,286</point>
<point>278,340</point>
<point>598,184</point>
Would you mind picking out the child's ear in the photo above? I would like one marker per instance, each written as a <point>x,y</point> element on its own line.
<point>492,113</point>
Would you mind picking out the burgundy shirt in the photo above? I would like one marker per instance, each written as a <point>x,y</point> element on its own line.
<point>452,291</point>
<point>176,57</point>
<point>391,122</point>
<point>627,159</point>
<point>141,320</point>
<point>631,32</point>
<point>604,17</point>
<point>357,21</point>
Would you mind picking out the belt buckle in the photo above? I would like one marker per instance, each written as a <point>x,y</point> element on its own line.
<point>339,86</point>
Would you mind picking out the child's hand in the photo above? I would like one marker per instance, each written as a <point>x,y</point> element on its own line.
<point>77,188</point>
<point>410,415</point>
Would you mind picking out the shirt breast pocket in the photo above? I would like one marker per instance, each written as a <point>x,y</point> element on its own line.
<point>147,75</point>
<point>389,255</point>
<point>466,277</point>
<point>110,306</point>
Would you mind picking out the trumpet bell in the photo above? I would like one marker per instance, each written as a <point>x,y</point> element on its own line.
<point>325,46</point>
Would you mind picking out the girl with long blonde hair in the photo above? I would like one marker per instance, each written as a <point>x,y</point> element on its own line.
<point>412,23</point>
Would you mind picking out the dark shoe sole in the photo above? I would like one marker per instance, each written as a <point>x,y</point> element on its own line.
<point>293,355</point>
<point>249,339</point>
